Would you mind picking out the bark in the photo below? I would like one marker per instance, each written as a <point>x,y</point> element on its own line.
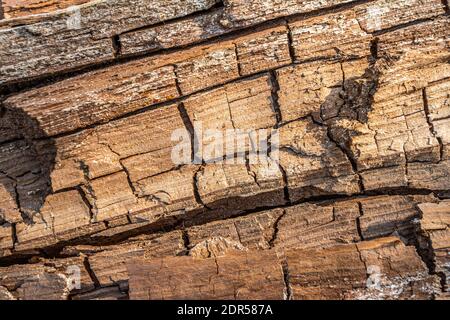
<point>352,202</point>
<point>14,8</point>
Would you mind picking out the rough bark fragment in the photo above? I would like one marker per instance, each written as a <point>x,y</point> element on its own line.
<point>212,66</point>
<point>110,196</point>
<point>35,282</point>
<point>438,103</point>
<point>127,87</point>
<point>383,178</point>
<point>399,143</point>
<point>236,111</point>
<point>63,216</point>
<point>344,272</point>
<point>78,36</point>
<point>305,226</point>
<point>435,232</point>
<point>99,152</point>
<point>318,226</point>
<point>97,96</point>
<point>373,16</point>
<point>109,266</point>
<point>429,176</point>
<point>314,165</point>
<point>14,8</point>
<point>413,58</point>
<point>252,232</point>
<point>399,132</point>
<point>107,18</point>
<point>363,123</point>
<point>438,98</point>
<point>261,51</point>
<point>109,293</point>
<point>313,83</point>
<point>173,34</point>
<point>215,247</point>
<point>171,192</point>
<point>234,187</point>
<point>330,36</point>
<point>388,215</point>
<point>108,262</point>
<point>6,240</point>
<point>442,132</point>
<point>426,36</point>
<point>74,269</point>
<point>240,275</point>
<point>47,47</point>
<point>385,14</point>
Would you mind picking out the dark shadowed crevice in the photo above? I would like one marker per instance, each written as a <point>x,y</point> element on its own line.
<point>190,128</point>
<point>275,88</point>
<point>352,100</point>
<point>117,46</point>
<point>85,199</point>
<point>174,223</point>
<point>13,234</point>
<point>276,229</point>
<point>290,42</point>
<point>91,273</point>
<point>287,196</point>
<point>238,64</point>
<point>197,195</point>
<point>250,172</point>
<point>177,81</point>
<point>358,221</point>
<point>424,248</point>
<point>286,279</point>
<point>186,241</point>
<point>25,161</point>
<point>446,5</point>
<point>374,48</point>
<point>431,125</point>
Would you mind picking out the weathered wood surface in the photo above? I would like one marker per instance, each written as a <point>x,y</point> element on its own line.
<point>355,190</point>
<point>79,35</point>
<point>244,276</point>
<point>434,235</point>
<point>367,270</point>
<point>20,8</point>
<point>340,274</point>
<point>367,18</point>
<point>307,230</point>
<point>108,93</point>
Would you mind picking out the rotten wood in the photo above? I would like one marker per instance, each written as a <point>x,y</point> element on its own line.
<point>350,202</point>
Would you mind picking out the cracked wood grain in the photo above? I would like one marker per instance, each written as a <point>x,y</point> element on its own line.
<point>356,190</point>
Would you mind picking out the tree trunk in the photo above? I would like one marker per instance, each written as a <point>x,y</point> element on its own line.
<point>237,149</point>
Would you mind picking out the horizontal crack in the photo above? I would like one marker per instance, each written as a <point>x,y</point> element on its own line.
<point>179,224</point>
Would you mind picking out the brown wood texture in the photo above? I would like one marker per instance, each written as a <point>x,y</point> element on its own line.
<point>352,202</point>
<point>20,8</point>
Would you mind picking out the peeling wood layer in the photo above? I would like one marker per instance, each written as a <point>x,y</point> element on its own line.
<point>355,188</point>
